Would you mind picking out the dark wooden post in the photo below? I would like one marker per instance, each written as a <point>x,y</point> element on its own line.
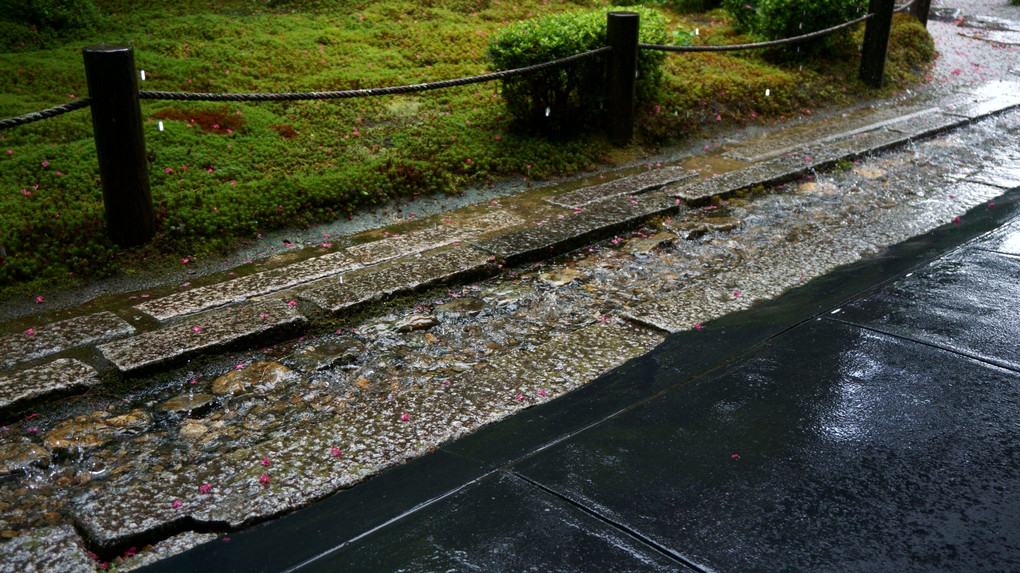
<point>920,10</point>
<point>622,34</point>
<point>120,144</point>
<point>876,42</point>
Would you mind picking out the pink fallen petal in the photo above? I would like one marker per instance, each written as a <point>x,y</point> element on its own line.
<point>39,299</point>
<point>292,303</point>
<point>177,503</point>
<point>30,332</point>
<point>204,488</point>
<point>698,327</point>
<point>264,478</point>
<point>335,452</point>
<point>265,461</point>
<point>735,456</point>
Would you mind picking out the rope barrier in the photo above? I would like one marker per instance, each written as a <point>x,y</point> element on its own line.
<point>768,44</point>
<point>183,96</point>
<point>46,113</point>
<point>344,94</point>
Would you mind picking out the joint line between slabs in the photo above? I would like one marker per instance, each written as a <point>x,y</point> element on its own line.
<point>665,551</point>
<point>974,357</point>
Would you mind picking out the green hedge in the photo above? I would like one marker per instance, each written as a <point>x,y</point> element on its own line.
<point>779,19</point>
<point>569,97</point>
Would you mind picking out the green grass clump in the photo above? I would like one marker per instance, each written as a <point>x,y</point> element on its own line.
<point>223,173</point>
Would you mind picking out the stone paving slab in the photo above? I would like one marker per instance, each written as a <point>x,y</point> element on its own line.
<point>770,172</point>
<point>597,221</point>
<point>928,124</point>
<point>999,176</point>
<point>433,238</point>
<point>201,333</point>
<point>240,289</point>
<point>57,376</point>
<point>989,99</point>
<point>633,185</point>
<point>376,284</point>
<point>60,336</point>
<point>46,550</point>
<point>816,132</point>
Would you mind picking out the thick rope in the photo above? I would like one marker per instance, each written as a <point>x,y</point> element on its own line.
<point>371,91</point>
<point>768,44</point>
<point>44,114</point>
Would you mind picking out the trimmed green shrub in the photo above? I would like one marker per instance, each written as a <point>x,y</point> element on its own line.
<point>569,97</point>
<point>744,13</point>
<point>57,15</point>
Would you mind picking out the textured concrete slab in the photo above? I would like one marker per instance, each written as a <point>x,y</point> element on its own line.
<point>633,185</point>
<point>594,222</point>
<point>201,333</point>
<point>501,523</point>
<point>46,550</point>
<point>407,276</point>
<point>963,302</point>
<point>58,376</point>
<point>242,288</point>
<point>804,455</point>
<point>1005,240</point>
<point>997,104</point>
<point>433,238</point>
<point>59,336</point>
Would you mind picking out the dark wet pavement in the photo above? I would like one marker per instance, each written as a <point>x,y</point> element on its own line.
<point>868,420</point>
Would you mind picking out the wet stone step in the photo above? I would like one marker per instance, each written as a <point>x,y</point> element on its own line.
<point>633,185</point>
<point>60,336</point>
<point>201,333</point>
<point>928,124</point>
<point>401,277</point>
<point>432,238</point>
<point>240,289</point>
<point>996,104</point>
<point>769,173</point>
<point>597,221</point>
<point>58,376</point>
<point>815,132</point>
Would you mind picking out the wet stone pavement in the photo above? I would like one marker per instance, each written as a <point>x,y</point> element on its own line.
<point>176,442</point>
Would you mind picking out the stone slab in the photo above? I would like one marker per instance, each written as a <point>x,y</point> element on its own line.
<point>597,221</point>
<point>984,108</point>
<point>46,550</point>
<point>771,172</point>
<point>1004,240</point>
<point>57,376</point>
<point>999,176</point>
<point>240,289</point>
<point>407,276</point>
<point>60,336</point>
<point>215,329</point>
<point>633,185</point>
<point>817,132</point>
<point>928,124</point>
<point>432,238</point>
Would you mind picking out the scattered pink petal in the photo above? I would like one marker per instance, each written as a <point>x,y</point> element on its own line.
<point>698,327</point>
<point>196,329</point>
<point>292,303</point>
<point>991,205</point>
<point>735,456</point>
<point>184,261</point>
<point>736,293</point>
<point>39,299</point>
<point>30,332</point>
<point>264,479</point>
<point>265,461</point>
<point>405,417</point>
<point>542,393</point>
<point>204,488</point>
<point>177,503</point>
<point>335,452</point>
<point>263,315</point>
<point>519,397</point>
<point>956,221</point>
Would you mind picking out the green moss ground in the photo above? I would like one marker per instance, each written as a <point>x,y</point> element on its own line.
<point>222,173</point>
